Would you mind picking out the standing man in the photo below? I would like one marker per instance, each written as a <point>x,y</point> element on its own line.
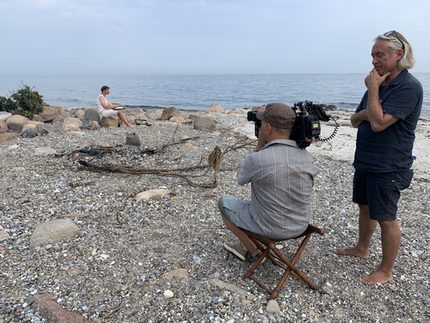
<point>386,119</point>
<point>281,176</point>
<point>107,109</point>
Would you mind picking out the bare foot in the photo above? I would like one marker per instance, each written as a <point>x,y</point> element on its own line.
<point>377,277</point>
<point>353,251</point>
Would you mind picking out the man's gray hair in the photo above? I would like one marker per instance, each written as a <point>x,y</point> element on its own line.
<point>398,42</point>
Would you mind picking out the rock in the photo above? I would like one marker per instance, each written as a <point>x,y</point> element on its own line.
<point>46,129</point>
<point>72,124</point>
<point>79,114</point>
<point>154,114</point>
<point>190,145</point>
<point>53,231</point>
<point>16,122</point>
<point>72,129</point>
<point>168,293</point>
<point>180,274</point>
<point>52,312</point>
<point>3,235</point>
<point>131,119</point>
<point>31,125</point>
<point>3,126</point>
<point>5,137</point>
<point>215,107</point>
<point>28,133</point>
<point>155,194</point>
<point>91,115</point>
<point>109,122</point>
<point>232,288</point>
<point>4,115</point>
<point>178,119</point>
<point>138,114</point>
<point>169,113</point>
<point>132,139</point>
<point>50,114</point>
<point>93,125</point>
<point>273,307</point>
<point>204,124</point>
<point>44,151</point>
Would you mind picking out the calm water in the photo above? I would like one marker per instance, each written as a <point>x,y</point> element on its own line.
<point>196,92</point>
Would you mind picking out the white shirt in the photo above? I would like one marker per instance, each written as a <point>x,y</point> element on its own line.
<point>102,98</point>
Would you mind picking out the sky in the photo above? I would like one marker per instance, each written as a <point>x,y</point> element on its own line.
<point>61,37</point>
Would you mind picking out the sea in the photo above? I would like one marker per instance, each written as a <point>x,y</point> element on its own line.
<point>197,92</point>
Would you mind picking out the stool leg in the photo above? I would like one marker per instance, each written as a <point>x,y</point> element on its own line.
<point>292,267</point>
<point>264,252</point>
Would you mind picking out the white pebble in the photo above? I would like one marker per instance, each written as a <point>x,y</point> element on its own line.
<point>168,293</point>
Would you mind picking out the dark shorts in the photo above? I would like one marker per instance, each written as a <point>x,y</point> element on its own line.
<point>380,191</point>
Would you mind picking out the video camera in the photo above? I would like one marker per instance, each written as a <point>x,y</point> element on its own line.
<point>306,127</point>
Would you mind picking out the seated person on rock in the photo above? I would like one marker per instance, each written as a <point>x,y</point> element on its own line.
<point>107,109</point>
<point>281,176</point>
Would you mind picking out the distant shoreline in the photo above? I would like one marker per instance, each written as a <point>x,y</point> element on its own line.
<point>197,92</point>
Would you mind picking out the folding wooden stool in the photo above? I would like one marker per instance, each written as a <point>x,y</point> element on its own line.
<point>268,250</point>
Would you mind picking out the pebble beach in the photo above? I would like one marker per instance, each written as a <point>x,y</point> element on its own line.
<point>160,258</point>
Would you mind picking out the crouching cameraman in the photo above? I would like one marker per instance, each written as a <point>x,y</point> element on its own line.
<point>281,176</point>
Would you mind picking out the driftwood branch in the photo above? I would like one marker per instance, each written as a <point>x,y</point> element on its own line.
<point>145,171</point>
<point>177,142</point>
<point>213,162</point>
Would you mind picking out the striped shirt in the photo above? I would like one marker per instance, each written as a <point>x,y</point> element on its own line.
<point>281,176</point>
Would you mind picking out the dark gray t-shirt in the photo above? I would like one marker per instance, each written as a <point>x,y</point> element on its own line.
<point>281,177</point>
<point>390,150</point>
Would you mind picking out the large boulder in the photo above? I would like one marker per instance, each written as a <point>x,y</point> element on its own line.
<point>47,128</point>
<point>31,125</point>
<point>79,114</point>
<point>215,107</point>
<point>109,122</point>
<point>154,114</point>
<point>91,115</point>
<point>16,122</point>
<point>28,133</point>
<point>49,114</point>
<point>204,124</point>
<point>169,113</point>
<point>4,115</point>
<point>72,124</point>
<point>29,129</point>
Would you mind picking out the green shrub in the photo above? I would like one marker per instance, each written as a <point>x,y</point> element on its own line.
<point>28,100</point>
<point>7,104</point>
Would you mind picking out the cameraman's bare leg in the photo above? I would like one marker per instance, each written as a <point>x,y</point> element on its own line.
<point>366,227</point>
<point>390,238</point>
<point>242,236</point>
<point>124,119</point>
